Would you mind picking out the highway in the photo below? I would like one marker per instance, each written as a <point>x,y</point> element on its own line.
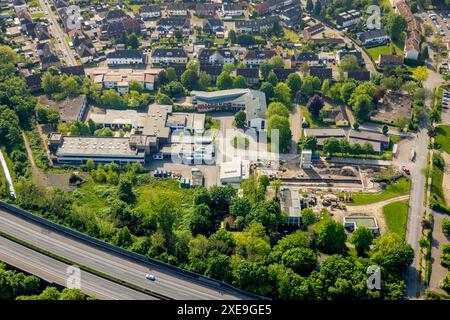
<point>168,283</point>
<point>54,271</point>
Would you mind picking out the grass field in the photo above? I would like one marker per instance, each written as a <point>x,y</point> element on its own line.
<point>376,51</point>
<point>386,49</point>
<point>398,188</point>
<point>443,137</point>
<point>396,215</point>
<point>291,35</point>
<point>39,15</point>
<point>135,8</point>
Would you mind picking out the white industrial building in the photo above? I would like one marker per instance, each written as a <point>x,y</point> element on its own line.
<point>234,171</point>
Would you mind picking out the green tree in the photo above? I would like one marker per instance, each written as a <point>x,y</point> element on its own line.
<point>308,217</point>
<point>281,124</point>
<point>294,83</point>
<point>272,78</point>
<point>218,266</point>
<point>190,78</point>
<point>331,146</point>
<point>282,93</point>
<point>240,206</point>
<point>125,191</point>
<point>46,115</point>
<point>200,221</point>
<point>70,87</point>
<point>228,67</point>
<point>362,239</point>
<point>171,74</point>
<point>277,108</point>
<point>135,86</point>
<point>392,254</point>
<point>163,99</point>
<point>239,82</point>
<point>396,26</point>
<point>268,89</point>
<point>301,260</point>
<point>315,105</point>
<point>133,41</point>
<point>224,81</point>
<point>362,107</point>
<point>349,63</point>
<point>421,74</point>
<point>204,80</point>
<point>446,227</point>
<point>240,119</point>
<point>331,236</point>
<point>317,8</point>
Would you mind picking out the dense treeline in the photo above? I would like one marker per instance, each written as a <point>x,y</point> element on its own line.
<point>16,111</point>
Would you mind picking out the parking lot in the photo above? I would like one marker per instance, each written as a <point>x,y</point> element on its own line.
<point>440,21</point>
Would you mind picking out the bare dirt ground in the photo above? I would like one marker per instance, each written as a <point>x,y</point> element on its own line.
<point>375,210</point>
<point>446,180</point>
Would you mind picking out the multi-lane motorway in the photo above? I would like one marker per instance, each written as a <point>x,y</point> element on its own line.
<point>54,271</point>
<point>168,283</point>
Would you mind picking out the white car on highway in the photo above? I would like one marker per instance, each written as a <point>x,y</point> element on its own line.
<point>150,277</point>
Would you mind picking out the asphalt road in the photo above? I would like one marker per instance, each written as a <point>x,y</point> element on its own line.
<point>418,189</point>
<point>416,209</point>
<point>57,32</point>
<point>54,271</point>
<point>169,284</point>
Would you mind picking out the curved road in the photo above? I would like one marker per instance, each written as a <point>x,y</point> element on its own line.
<point>54,271</point>
<point>168,283</point>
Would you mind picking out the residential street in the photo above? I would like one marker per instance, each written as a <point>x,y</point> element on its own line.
<point>418,191</point>
<point>58,34</point>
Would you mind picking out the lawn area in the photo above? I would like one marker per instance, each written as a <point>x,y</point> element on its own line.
<point>291,35</point>
<point>386,49</point>
<point>396,215</point>
<point>443,137</point>
<point>219,41</point>
<point>39,15</point>
<point>135,8</point>
<point>398,188</point>
<point>376,51</point>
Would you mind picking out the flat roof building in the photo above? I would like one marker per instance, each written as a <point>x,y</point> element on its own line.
<point>234,171</point>
<point>252,101</point>
<point>352,223</point>
<point>77,150</point>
